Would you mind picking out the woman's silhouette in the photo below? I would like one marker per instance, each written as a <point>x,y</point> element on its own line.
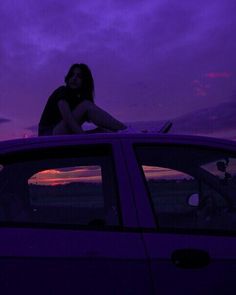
<point>71,105</point>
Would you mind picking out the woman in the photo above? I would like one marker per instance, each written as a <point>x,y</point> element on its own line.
<point>71,105</point>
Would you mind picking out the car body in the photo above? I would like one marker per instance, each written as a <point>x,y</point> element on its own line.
<point>118,214</point>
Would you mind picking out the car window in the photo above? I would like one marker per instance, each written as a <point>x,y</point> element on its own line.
<point>60,191</point>
<point>190,188</point>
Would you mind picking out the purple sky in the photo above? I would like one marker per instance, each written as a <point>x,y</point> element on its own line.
<point>151,60</point>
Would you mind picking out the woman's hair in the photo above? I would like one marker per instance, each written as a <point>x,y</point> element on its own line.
<point>87,87</point>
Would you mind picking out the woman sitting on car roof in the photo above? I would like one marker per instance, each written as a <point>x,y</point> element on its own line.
<point>71,105</point>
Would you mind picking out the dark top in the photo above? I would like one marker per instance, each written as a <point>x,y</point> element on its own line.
<point>51,115</point>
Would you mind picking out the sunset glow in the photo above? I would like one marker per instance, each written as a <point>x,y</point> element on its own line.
<point>159,173</point>
<point>219,75</point>
<point>89,174</point>
<point>92,174</point>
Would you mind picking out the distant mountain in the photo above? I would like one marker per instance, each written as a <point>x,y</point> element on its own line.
<point>220,119</point>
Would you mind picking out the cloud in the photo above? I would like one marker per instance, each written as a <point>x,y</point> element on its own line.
<point>216,75</point>
<point>163,45</point>
<point>4,120</point>
<point>200,88</point>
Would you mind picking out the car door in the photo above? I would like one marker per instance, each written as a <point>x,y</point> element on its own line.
<point>191,190</point>
<point>68,222</point>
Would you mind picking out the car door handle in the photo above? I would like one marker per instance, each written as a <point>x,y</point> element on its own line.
<point>190,258</point>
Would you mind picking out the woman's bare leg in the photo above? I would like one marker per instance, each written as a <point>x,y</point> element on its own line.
<point>97,116</point>
<point>61,129</point>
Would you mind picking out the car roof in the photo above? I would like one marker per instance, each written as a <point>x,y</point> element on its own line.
<point>99,138</point>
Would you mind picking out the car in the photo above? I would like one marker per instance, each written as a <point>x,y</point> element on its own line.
<point>115,213</point>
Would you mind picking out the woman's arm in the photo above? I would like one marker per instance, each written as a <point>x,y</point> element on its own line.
<point>67,117</point>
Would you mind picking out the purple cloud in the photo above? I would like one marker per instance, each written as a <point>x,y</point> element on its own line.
<point>144,54</point>
<point>216,75</point>
<point>4,120</point>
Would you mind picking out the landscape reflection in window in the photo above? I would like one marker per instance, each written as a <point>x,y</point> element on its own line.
<point>61,176</point>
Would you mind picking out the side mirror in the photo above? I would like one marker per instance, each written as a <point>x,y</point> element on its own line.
<point>193,200</point>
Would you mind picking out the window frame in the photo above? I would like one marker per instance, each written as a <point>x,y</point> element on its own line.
<point>84,150</point>
<point>147,143</point>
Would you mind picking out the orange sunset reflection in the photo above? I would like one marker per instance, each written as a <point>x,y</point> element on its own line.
<point>158,173</point>
<point>89,174</point>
